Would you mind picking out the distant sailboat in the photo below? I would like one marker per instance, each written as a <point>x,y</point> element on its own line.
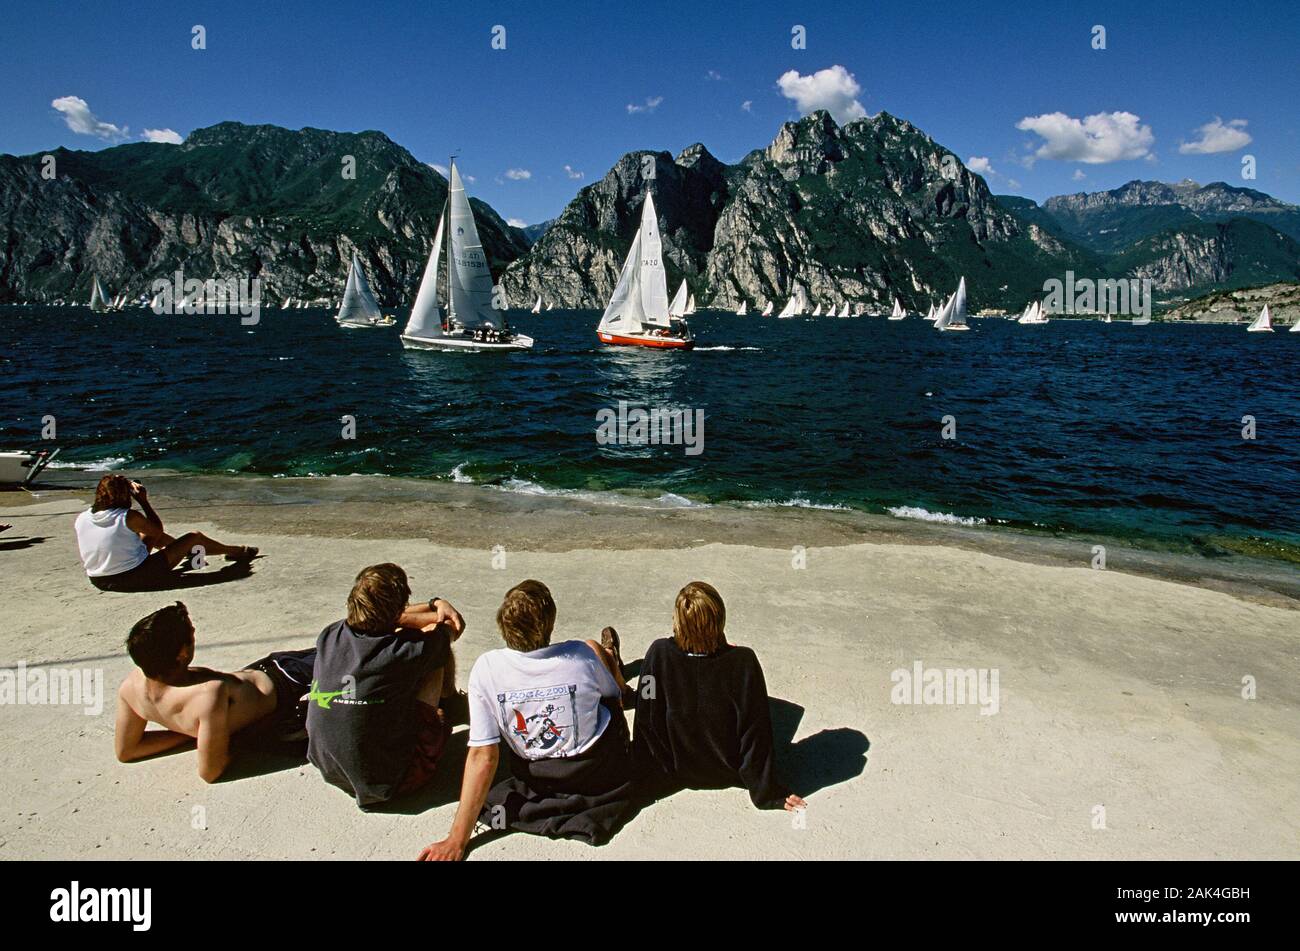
<point>638,313</point>
<point>897,313</point>
<point>844,310</point>
<point>1262,323</point>
<point>952,316</point>
<point>550,306</point>
<point>678,307</point>
<point>537,308</point>
<point>1295,327</point>
<point>795,306</point>
<point>98,296</point>
<point>359,307</point>
<point>742,310</point>
<point>690,306</point>
<point>817,311</point>
<point>930,314</point>
<point>767,311</point>
<point>473,323</point>
<point>1033,314</point>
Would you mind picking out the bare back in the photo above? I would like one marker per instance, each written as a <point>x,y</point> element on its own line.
<point>250,696</point>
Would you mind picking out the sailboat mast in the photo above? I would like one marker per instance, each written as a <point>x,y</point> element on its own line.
<point>451,297</point>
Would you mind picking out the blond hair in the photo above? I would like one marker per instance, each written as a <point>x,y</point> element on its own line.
<point>378,599</point>
<point>527,616</point>
<point>699,619</point>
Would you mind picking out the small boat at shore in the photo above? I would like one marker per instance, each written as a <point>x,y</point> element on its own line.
<point>21,468</point>
<point>638,314</point>
<point>1263,323</point>
<point>472,323</point>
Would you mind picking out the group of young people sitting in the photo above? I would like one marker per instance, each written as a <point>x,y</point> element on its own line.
<point>376,701</point>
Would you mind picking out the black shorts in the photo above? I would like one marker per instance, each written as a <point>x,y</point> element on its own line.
<point>291,672</point>
<point>150,575</point>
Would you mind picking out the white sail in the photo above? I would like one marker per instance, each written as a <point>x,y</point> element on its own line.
<point>359,306</point>
<point>897,313</point>
<point>156,304</point>
<point>817,311</point>
<point>742,309</point>
<point>1263,322</point>
<point>641,298</point>
<point>678,307</point>
<point>690,306</point>
<point>98,296</point>
<point>953,316</point>
<point>467,267</point>
<point>1295,327</point>
<point>537,308</point>
<point>795,306</point>
<point>844,310</point>
<point>767,311</point>
<point>426,318</point>
<point>550,306</point>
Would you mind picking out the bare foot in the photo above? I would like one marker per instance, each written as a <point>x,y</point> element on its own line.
<point>793,802</point>
<point>609,641</point>
<point>243,553</point>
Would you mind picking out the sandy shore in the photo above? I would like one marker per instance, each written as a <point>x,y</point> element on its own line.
<point>1119,689</point>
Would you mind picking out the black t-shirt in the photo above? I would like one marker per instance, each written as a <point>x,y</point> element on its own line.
<point>702,722</point>
<point>361,719</point>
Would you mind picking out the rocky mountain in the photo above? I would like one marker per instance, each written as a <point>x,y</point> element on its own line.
<point>864,212</point>
<point>232,201</point>
<point>1112,221</point>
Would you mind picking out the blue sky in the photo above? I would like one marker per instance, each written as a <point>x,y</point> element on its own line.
<point>579,84</point>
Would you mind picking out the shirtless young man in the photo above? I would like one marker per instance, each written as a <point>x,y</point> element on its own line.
<point>197,703</point>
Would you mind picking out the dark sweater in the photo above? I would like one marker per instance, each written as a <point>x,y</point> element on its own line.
<point>706,725</point>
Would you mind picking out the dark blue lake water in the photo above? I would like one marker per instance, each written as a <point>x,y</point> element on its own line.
<point>1075,426</point>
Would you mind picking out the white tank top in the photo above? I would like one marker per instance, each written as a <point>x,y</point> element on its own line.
<point>107,545</point>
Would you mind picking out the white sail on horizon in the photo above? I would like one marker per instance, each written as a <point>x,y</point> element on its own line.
<point>767,311</point>
<point>1263,322</point>
<point>742,309</point>
<point>690,306</point>
<point>678,307</point>
<point>953,314</point>
<point>537,308</point>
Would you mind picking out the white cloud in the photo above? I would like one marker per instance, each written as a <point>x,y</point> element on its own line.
<point>1218,136</point>
<point>980,165</point>
<point>573,174</point>
<point>1078,175</point>
<point>1093,140</point>
<point>77,114</point>
<point>471,179</point>
<point>747,106</point>
<point>651,104</point>
<point>516,223</point>
<point>834,90</point>
<point>713,74</point>
<point>170,136</point>
<point>440,169</point>
<point>518,174</point>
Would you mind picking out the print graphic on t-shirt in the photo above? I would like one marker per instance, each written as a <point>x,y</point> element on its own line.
<point>541,719</point>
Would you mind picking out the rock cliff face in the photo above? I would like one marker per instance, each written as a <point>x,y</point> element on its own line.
<point>232,201</point>
<point>1244,305</point>
<point>861,213</point>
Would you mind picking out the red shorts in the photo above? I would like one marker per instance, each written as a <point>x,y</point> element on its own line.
<point>430,741</point>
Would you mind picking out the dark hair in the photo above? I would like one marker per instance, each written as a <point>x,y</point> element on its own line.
<point>527,616</point>
<point>699,619</point>
<point>157,640</point>
<point>113,492</point>
<point>378,598</point>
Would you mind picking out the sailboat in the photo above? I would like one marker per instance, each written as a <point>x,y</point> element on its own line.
<point>742,310</point>
<point>550,306</point>
<point>844,310</point>
<point>1033,314</point>
<point>359,307</point>
<point>156,304</point>
<point>817,311</point>
<point>472,323</point>
<point>930,314</point>
<point>952,316</point>
<point>897,313</point>
<point>1295,327</point>
<point>537,308</point>
<point>795,306</point>
<point>1262,323</point>
<point>98,296</point>
<point>690,306</point>
<point>638,313</point>
<point>678,307</point>
<point>767,311</point>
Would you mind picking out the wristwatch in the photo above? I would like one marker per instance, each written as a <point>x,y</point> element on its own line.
<point>431,607</point>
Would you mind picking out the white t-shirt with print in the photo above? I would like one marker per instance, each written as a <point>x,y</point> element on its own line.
<point>546,703</point>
